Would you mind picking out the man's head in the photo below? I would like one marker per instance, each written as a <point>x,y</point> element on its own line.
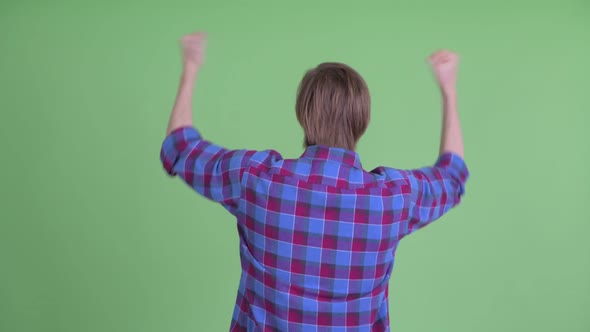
<point>333,106</point>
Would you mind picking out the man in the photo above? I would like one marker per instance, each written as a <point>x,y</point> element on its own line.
<point>318,234</point>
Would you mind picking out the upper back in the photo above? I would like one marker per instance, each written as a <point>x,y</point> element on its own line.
<point>322,218</point>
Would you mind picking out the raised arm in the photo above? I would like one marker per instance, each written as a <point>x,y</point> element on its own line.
<point>444,65</point>
<point>209,169</point>
<point>193,46</point>
<point>434,190</point>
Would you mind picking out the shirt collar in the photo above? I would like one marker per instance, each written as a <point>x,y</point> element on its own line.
<point>339,155</point>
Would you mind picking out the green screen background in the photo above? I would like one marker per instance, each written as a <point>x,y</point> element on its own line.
<point>95,237</point>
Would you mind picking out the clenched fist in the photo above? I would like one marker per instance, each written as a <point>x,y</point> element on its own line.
<point>444,66</point>
<point>193,49</point>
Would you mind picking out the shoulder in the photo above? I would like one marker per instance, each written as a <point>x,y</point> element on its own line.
<point>389,173</point>
<point>264,158</point>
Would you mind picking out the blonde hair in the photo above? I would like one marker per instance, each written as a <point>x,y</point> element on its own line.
<point>333,106</point>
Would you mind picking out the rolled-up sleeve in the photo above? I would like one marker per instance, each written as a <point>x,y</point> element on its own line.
<point>209,169</point>
<point>435,190</point>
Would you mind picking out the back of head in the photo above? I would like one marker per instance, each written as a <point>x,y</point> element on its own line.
<point>333,106</point>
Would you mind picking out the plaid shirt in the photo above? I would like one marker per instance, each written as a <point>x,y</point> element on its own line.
<point>318,234</point>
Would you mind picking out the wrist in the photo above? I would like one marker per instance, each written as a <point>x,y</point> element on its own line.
<point>449,92</point>
<point>190,68</point>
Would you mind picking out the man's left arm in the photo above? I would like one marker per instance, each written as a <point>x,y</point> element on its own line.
<point>193,47</point>
<point>209,169</point>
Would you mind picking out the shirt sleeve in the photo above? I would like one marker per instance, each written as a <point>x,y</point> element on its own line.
<point>435,190</point>
<point>209,169</point>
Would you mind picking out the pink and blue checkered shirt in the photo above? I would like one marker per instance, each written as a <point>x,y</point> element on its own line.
<point>318,234</point>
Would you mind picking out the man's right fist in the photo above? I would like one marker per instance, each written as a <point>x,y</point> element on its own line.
<point>193,49</point>
<point>444,66</point>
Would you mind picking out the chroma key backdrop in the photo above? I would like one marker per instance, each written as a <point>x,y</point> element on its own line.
<point>95,237</point>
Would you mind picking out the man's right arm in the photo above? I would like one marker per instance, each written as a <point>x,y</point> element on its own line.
<point>434,190</point>
<point>444,65</point>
